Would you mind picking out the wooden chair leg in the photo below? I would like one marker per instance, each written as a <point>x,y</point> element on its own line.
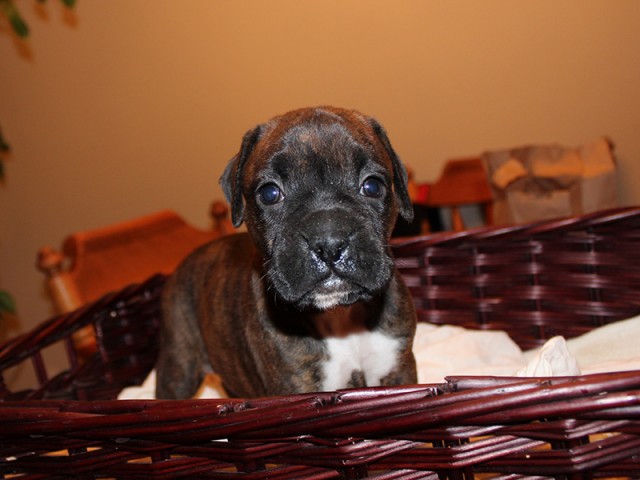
<point>66,297</point>
<point>456,219</point>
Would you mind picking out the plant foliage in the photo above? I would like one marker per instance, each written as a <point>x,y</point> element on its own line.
<point>10,11</point>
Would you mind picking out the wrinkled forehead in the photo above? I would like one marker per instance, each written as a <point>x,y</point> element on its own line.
<point>318,138</point>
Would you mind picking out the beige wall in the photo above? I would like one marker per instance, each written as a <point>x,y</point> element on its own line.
<point>131,106</point>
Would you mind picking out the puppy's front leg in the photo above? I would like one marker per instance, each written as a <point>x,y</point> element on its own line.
<point>405,372</point>
<point>182,361</point>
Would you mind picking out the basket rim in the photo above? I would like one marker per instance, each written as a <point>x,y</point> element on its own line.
<point>492,232</point>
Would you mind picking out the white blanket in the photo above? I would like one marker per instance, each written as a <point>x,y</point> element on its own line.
<point>447,350</point>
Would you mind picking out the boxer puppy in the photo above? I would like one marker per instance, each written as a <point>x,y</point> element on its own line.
<point>307,299</point>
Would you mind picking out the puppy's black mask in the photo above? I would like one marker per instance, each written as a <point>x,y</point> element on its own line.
<point>327,187</point>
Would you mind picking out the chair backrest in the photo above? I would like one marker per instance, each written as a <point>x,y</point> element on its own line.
<point>96,262</point>
<point>463,181</point>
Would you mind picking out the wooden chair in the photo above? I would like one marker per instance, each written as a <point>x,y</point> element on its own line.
<point>462,182</point>
<point>96,262</point>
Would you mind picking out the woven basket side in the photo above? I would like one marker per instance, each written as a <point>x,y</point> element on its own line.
<point>126,324</point>
<point>555,278</point>
<point>585,426</point>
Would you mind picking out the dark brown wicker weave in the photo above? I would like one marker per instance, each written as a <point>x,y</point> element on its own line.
<point>563,277</point>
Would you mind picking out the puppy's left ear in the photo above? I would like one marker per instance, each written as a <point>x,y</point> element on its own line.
<point>231,179</point>
<point>400,177</point>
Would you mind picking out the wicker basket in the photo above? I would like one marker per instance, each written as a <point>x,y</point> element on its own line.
<point>564,277</point>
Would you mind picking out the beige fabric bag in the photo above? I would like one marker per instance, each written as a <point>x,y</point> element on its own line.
<point>548,181</point>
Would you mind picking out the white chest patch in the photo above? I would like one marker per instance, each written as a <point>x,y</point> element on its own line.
<point>372,353</point>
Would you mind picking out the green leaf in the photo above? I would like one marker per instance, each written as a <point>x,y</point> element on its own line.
<point>6,303</point>
<point>69,3</point>
<point>10,11</point>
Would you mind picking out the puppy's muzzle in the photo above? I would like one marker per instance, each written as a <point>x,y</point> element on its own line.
<point>328,237</point>
<point>328,243</point>
<point>335,258</point>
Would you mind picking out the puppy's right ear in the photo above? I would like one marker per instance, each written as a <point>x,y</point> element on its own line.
<point>231,179</point>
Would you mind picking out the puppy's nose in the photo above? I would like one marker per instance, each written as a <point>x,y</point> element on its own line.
<point>329,249</point>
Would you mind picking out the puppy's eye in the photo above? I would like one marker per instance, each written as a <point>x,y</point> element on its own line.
<point>270,194</point>
<point>372,187</point>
